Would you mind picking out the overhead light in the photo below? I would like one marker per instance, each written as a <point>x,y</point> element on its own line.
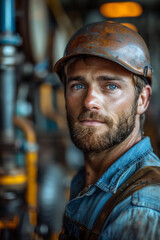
<point>121,9</point>
<point>131,26</point>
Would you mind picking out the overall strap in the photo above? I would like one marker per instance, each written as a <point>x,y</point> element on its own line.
<point>144,177</point>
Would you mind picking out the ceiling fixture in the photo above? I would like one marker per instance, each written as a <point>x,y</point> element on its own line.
<point>121,9</point>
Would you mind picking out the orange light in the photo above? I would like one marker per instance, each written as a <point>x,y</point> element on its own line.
<point>130,25</point>
<point>121,9</point>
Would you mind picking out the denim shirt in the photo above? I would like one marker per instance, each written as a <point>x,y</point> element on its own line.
<point>137,217</point>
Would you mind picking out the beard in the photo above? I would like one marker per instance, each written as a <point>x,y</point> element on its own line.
<point>91,139</point>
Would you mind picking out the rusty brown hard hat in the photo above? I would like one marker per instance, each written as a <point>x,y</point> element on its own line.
<point>112,41</point>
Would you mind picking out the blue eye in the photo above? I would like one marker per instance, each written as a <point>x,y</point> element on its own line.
<point>111,86</point>
<point>78,86</point>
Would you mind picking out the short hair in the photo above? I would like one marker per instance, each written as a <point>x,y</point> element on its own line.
<point>139,83</point>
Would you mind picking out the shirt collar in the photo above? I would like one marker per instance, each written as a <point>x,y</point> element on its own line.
<point>110,179</point>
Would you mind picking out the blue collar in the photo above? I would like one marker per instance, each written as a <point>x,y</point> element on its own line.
<point>117,172</point>
<point>110,180</point>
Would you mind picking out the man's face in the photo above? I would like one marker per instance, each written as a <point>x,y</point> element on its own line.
<point>100,103</point>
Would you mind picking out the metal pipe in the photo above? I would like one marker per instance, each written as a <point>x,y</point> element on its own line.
<point>7,10</point>
<point>7,90</point>
<point>31,163</point>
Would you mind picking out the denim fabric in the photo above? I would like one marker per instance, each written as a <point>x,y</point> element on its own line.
<point>137,217</point>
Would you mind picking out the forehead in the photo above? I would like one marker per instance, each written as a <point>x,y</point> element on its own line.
<point>77,65</point>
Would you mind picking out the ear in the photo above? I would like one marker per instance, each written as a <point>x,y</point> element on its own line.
<point>143,100</point>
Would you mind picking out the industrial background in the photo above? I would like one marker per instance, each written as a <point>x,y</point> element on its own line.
<point>37,158</point>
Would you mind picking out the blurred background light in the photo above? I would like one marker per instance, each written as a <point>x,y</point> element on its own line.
<point>121,9</point>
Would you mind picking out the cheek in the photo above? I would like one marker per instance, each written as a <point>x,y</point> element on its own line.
<point>119,105</point>
<point>125,101</point>
<point>73,105</point>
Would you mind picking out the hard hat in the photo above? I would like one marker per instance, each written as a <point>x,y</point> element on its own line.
<point>112,41</point>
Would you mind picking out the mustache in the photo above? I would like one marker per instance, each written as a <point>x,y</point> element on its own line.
<point>94,116</point>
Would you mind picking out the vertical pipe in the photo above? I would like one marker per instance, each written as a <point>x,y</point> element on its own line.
<point>31,166</point>
<point>7,92</point>
<point>7,21</point>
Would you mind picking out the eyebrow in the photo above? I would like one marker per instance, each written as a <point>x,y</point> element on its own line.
<point>78,78</point>
<point>100,78</point>
<point>108,77</point>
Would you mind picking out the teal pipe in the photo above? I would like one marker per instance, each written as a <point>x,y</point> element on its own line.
<point>7,24</point>
<point>7,16</point>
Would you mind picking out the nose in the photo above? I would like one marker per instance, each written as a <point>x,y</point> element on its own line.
<point>92,100</point>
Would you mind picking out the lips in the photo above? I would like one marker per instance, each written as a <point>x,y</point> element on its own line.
<point>91,122</point>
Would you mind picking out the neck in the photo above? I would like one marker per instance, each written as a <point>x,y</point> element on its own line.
<point>97,163</point>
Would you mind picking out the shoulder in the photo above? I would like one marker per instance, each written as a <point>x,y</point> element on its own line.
<point>137,217</point>
<point>148,197</point>
<point>134,224</point>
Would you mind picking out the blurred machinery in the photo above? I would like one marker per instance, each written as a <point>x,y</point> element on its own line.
<point>32,183</point>
<point>37,159</point>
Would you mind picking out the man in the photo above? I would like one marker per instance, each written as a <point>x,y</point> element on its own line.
<point>107,76</point>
